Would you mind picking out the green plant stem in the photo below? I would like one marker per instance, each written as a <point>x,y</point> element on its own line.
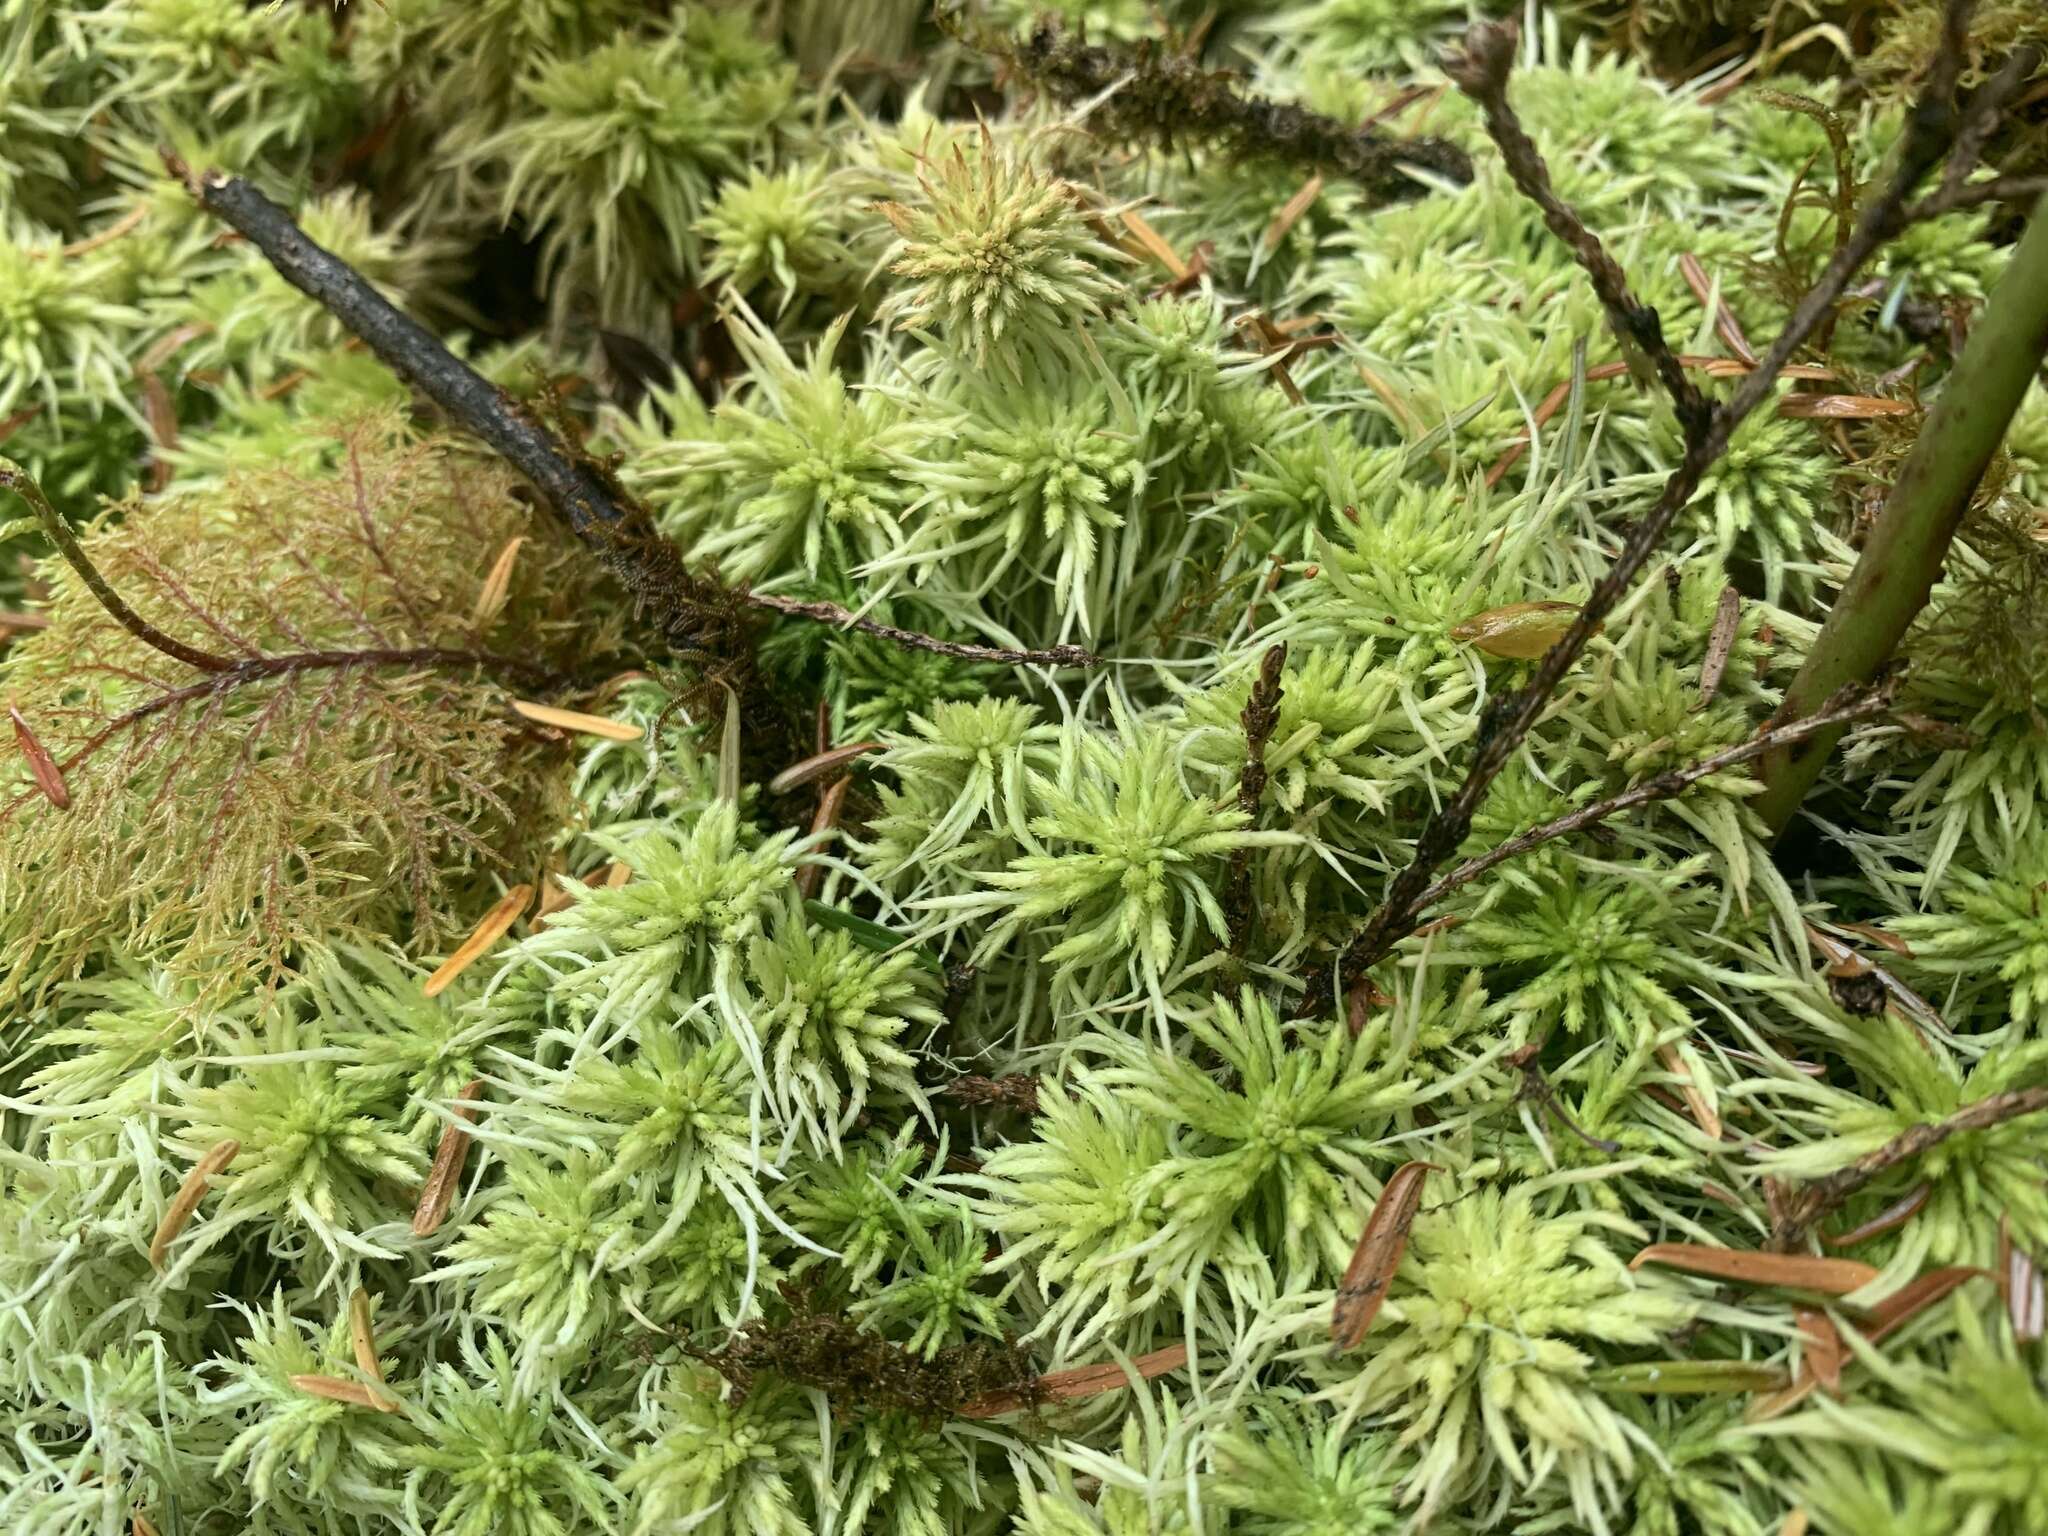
<point>1904,554</point>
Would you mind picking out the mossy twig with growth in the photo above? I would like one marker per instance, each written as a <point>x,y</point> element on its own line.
<point>1152,93</point>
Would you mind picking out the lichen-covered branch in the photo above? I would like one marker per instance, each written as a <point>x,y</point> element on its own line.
<point>1153,93</point>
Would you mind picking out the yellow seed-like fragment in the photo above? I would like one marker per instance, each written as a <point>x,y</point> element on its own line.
<point>186,1201</point>
<point>486,933</point>
<point>576,720</point>
<point>360,1336</point>
<point>1518,632</point>
<point>497,584</point>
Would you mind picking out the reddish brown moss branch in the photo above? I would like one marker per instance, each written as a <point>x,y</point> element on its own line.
<point>1798,1213</point>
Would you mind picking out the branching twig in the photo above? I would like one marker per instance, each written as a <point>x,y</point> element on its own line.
<point>1509,717</point>
<point>1799,1212</point>
<point>1159,94</point>
<point>1851,705</point>
<point>693,610</point>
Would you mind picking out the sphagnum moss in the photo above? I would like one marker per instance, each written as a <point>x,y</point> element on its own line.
<point>1217,367</point>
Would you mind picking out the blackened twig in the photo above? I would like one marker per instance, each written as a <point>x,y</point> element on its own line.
<point>1930,127</point>
<point>693,610</point>
<point>1851,705</point>
<point>1153,92</point>
<point>1799,1212</point>
<point>1260,715</point>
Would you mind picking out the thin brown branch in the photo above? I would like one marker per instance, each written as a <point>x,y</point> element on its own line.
<point>18,480</point>
<point>1811,1204</point>
<point>696,612</point>
<point>1509,717</point>
<point>1854,704</point>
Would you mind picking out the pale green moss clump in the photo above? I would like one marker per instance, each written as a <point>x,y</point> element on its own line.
<point>808,1109</point>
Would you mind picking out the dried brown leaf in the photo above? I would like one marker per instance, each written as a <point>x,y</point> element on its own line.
<point>1291,211</point>
<point>190,1191</point>
<point>1842,407</point>
<point>1746,1266</point>
<point>1155,244</point>
<point>1720,643</point>
<point>577,721</point>
<point>1363,1290</point>
<point>1897,1214</point>
<point>1821,1357</point>
<point>2026,1298</point>
<point>497,585</point>
<point>1702,1109</point>
<point>438,1193</point>
<point>1082,1381</point>
<point>362,1338</point>
<point>41,766</point>
<point>337,1390</point>
<point>818,765</point>
<point>1895,1311</point>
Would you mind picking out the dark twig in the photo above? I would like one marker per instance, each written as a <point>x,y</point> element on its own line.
<point>1260,715</point>
<point>694,611</point>
<point>1974,194</point>
<point>1799,1212</point>
<point>1481,72</point>
<point>1152,92</point>
<point>1851,705</point>
<point>1537,1087</point>
<point>1509,717</point>
<point>1981,118</point>
<point>16,479</point>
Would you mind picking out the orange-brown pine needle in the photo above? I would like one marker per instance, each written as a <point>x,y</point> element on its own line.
<point>187,1199</point>
<point>496,923</point>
